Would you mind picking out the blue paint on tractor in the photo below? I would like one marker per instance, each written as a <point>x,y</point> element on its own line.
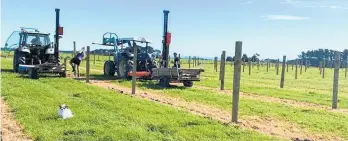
<point>22,68</point>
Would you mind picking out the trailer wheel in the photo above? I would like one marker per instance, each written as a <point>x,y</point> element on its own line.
<point>188,83</point>
<point>109,68</point>
<point>33,73</point>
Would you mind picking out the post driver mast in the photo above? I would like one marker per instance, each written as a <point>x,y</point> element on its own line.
<point>59,31</point>
<point>165,49</point>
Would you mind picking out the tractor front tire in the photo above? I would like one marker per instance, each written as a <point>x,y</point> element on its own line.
<point>109,68</point>
<point>18,58</point>
<point>188,83</point>
<point>123,68</point>
<point>33,73</point>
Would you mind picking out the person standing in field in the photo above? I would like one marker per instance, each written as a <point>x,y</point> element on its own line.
<point>76,61</point>
<point>176,61</point>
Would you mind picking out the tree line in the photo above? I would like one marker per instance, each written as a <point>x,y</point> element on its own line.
<point>318,56</point>
<point>315,57</point>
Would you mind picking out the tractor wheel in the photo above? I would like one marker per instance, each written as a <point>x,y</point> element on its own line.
<point>123,68</point>
<point>62,74</point>
<point>18,58</point>
<point>109,68</point>
<point>33,73</point>
<point>188,83</point>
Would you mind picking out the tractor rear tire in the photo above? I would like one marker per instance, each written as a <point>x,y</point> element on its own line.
<point>33,73</point>
<point>188,83</point>
<point>123,68</point>
<point>109,68</point>
<point>18,58</point>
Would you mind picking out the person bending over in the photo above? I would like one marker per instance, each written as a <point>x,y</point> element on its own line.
<point>76,61</point>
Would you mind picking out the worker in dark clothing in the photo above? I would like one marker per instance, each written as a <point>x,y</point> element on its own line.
<point>176,61</point>
<point>75,62</point>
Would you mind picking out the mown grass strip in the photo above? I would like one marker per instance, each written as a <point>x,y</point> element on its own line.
<point>103,115</point>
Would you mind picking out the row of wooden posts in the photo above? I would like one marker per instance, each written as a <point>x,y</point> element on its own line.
<point>276,65</point>
<point>236,79</point>
<point>337,65</point>
<point>237,74</point>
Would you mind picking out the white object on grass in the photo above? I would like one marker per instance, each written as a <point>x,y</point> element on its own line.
<point>64,112</point>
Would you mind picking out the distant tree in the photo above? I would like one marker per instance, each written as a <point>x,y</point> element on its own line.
<point>345,55</point>
<point>255,57</point>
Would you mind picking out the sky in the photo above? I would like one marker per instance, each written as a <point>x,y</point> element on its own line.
<point>271,28</point>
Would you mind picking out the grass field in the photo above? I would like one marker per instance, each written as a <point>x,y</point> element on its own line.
<point>102,113</point>
<point>309,88</point>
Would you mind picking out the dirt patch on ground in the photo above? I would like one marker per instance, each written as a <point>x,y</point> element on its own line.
<point>268,126</point>
<point>11,130</point>
<point>293,103</point>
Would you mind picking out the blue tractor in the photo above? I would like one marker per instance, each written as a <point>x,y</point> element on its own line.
<point>123,54</point>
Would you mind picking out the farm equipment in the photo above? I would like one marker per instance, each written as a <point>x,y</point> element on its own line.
<point>168,75</point>
<point>123,54</point>
<point>147,67</point>
<point>34,52</point>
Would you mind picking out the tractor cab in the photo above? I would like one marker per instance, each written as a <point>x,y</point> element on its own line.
<point>125,46</point>
<point>124,52</point>
<point>28,38</point>
<point>30,47</point>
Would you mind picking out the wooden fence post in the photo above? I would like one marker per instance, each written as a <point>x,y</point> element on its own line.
<point>134,67</point>
<point>215,64</point>
<point>306,67</point>
<point>189,62</point>
<point>94,56</point>
<point>267,65</point>
<point>292,66</point>
<point>320,67</point>
<point>109,56</point>
<point>87,65</point>
<point>222,70</point>
<point>65,66</point>
<point>345,69</point>
<point>301,62</point>
<point>243,64</point>
<point>324,65</point>
<point>198,61</point>
<point>283,73</point>
<point>249,64</point>
<point>296,68</point>
<point>258,64</point>
<point>335,83</point>
<point>236,81</point>
<point>277,67</point>
<point>74,51</point>
<point>287,67</point>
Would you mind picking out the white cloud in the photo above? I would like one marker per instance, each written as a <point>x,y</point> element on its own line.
<point>314,4</point>
<point>334,6</point>
<point>284,17</point>
<point>248,2</point>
